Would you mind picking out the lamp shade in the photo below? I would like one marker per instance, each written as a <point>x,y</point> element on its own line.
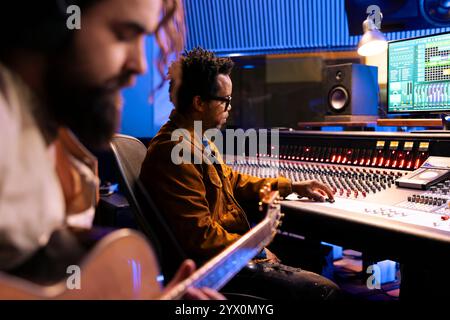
<point>372,43</point>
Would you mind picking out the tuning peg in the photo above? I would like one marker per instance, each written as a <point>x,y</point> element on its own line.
<point>282,215</point>
<point>280,223</point>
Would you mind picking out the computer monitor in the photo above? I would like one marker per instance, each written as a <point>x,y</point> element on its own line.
<point>419,75</point>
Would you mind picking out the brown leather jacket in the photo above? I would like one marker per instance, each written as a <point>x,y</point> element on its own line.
<point>200,201</point>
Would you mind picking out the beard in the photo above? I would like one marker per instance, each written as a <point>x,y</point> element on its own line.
<point>93,113</point>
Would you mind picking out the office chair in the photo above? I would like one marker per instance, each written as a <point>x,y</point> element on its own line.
<point>129,154</point>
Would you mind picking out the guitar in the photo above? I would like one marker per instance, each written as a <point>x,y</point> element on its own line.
<point>122,265</point>
<point>218,271</point>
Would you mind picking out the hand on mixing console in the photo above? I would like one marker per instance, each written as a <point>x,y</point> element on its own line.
<point>314,190</point>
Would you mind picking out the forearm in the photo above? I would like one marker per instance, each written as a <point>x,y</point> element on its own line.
<point>246,188</point>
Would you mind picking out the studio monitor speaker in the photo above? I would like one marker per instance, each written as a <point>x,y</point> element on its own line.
<point>351,89</point>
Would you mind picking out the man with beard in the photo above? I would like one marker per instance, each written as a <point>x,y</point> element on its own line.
<point>57,85</point>
<point>203,201</point>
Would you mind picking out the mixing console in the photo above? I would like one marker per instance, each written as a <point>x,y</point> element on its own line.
<point>363,186</point>
<point>349,182</point>
<point>362,174</point>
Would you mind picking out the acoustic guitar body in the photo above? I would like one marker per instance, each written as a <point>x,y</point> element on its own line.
<point>122,265</point>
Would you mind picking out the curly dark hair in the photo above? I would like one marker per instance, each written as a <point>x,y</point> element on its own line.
<point>198,70</point>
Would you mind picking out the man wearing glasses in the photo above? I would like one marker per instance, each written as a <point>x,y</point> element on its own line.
<point>202,201</point>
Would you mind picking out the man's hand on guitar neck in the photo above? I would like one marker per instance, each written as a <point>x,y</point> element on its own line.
<point>186,269</point>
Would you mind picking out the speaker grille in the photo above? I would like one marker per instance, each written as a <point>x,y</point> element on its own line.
<point>338,98</point>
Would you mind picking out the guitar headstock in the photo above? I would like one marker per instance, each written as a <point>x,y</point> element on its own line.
<point>270,204</point>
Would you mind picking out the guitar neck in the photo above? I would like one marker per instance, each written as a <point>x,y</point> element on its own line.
<point>218,271</point>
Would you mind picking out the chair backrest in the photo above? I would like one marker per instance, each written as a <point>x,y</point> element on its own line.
<point>130,153</point>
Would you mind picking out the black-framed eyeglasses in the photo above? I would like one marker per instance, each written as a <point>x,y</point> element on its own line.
<point>226,99</point>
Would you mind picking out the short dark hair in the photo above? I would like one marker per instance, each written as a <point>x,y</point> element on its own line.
<point>198,70</point>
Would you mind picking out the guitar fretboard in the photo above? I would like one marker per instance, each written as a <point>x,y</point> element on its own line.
<point>216,273</point>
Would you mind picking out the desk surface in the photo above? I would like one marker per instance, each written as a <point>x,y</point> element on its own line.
<point>379,122</point>
<point>410,122</point>
<point>335,123</point>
